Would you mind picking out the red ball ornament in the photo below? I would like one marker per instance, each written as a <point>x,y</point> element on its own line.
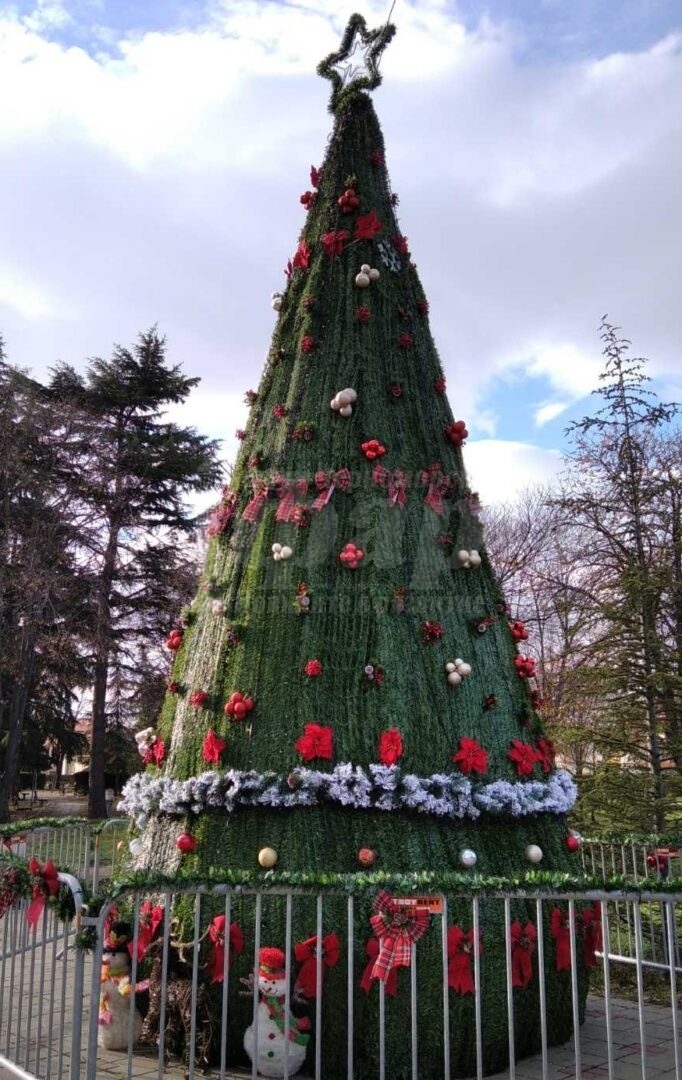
<point>572,842</point>
<point>238,705</point>
<point>367,857</point>
<point>456,433</point>
<point>351,556</point>
<point>372,449</point>
<point>174,640</point>
<point>186,843</point>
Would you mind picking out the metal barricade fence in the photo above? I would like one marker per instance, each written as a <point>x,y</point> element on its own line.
<point>92,851</point>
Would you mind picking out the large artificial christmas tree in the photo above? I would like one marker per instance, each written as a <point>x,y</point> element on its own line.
<point>347,689</point>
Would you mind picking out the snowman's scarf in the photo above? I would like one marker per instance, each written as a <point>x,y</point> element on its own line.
<point>275,1007</point>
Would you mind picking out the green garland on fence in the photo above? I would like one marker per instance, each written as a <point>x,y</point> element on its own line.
<point>9,829</point>
<point>636,838</point>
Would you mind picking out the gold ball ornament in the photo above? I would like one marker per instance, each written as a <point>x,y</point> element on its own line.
<point>267,857</point>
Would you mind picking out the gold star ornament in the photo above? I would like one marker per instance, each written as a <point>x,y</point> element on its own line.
<point>355,65</point>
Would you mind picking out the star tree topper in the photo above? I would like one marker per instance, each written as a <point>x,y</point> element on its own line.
<point>355,65</point>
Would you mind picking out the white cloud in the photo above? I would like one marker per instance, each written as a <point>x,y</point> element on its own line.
<point>549,411</point>
<point>499,470</point>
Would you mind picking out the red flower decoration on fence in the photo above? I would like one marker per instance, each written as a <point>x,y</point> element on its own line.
<point>560,930</point>
<point>460,955</point>
<point>592,941</point>
<point>316,742</point>
<point>305,953</point>
<point>366,982</point>
<point>524,756</point>
<point>397,928</point>
<point>45,884</point>
<point>151,918</point>
<point>471,757</point>
<point>213,747</point>
<point>523,940</point>
<point>390,746</point>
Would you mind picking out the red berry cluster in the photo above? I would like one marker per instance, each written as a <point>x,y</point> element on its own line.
<point>348,201</point>
<point>308,199</point>
<point>456,433</point>
<point>351,556</point>
<point>239,705</point>
<point>372,449</point>
<point>431,632</point>
<point>307,343</point>
<point>525,667</point>
<point>174,640</point>
<point>518,631</point>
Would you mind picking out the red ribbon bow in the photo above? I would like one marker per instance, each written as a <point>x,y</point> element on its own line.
<point>397,927</point>
<point>253,510</point>
<point>325,484</point>
<point>287,493</point>
<point>560,929</point>
<point>593,940</point>
<point>523,940</point>
<point>216,935</point>
<point>439,484</point>
<point>45,885</point>
<point>150,919</point>
<point>396,483</point>
<point>366,982</point>
<point>460,953</point>
<point>305,953</point>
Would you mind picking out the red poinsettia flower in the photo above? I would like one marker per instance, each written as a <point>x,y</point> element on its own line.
<point>405,340</point>
<point>307,343</point>
<point>471,757</point>
<point>390,746</point>
<point>198,699</point>
<point>367,226</point>
<point>423,307</point>
<point>240,434</point>
<point>400,243</point>
<point>213,747</point>
<point>546,754</point>
<point>315,176</point>
<point>333,242</point>
<point>313,668</point>
<point>524,756</point>
<point>316,742</point>
<point>301,259</point>
<point>279,412</point>
<point>156,753</point>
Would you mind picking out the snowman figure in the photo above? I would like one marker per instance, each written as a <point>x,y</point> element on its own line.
<point>116,990</point>
<point>268,1052</point>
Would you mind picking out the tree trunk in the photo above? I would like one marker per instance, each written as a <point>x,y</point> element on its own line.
<point>17,711</point>
<point>96,788</point>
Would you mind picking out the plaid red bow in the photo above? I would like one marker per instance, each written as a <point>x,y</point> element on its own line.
<point>560,930</point>
<point>593,941</point>
<point>327,482</point>
<point>253,510</point>
<point>366,982</point>
<point>216,935</point>
<point>397,927</point>
<point>460,953</point>
<point>305,953</point>
<point>523,940</point>
<point>439,484</point>
<point>287,493</point>
<point>396,482</point>
<point>45,884</point>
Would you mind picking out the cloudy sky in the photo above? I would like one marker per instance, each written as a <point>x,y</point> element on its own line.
<point>152,153</point>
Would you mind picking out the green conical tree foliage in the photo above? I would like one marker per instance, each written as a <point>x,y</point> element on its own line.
<point>358,647</point>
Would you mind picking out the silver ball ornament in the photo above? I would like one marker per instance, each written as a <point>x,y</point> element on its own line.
<point>468,858</point>
<point>534,853</point>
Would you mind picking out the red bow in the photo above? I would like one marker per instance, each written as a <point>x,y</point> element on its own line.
<point>371,952</point>
<point>460,953</point>
<point>439,484</point>
<point>45,885</point>
<point>305,953</point>
<point>260,497</point>
<point>150,920</point>
<point>397,927</point>
<point>221,514</point>
<point>560,929</point>
<point>216,935</point>
<point>287,493</point>
<point>396,483</point>
<point>325,484</point>
<point>523,940</point>
<point>593,940</point>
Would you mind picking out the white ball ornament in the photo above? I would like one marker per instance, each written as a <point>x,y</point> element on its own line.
<point>335,405</point>
<point>468,858</point>
<point>346,410</point>
<point>362,280</point>
<point>276,301</point>
<point>374,274</point>
<point>286,552</point>
<point>276,549</point>
<point>135,846</point>
<point>267,857</point>
<point>463,557</point>
<point>474,558</point>
<point>352,394</point>
<point>365,269</point>
<point>464,670</point>
<point>454,678</point>
<point>344,397</point>
<point>450,666</point>
<point>534,853</point>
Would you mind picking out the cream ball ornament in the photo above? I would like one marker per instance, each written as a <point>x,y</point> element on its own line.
<point>365,268</point>
<point>374,274</point>
<point>468,858</point>
<point>346,410</point>
<point>474,558</point>
<point>276,301</point>
<point>463,557</point>
<point>464,669</point>
<point>450,667</point>
<point>454,678</point>
<point>286,553</point>
<point>534,853</point>
<point>267,857</point>
<point>362,280</point>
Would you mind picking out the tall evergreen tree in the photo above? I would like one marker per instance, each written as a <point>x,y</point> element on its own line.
<point>347,688</point>
<point>131,471</point>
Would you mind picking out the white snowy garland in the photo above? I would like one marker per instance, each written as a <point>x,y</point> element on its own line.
<point>383,787</point>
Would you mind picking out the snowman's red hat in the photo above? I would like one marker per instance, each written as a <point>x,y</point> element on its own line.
<point>271,963</point>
